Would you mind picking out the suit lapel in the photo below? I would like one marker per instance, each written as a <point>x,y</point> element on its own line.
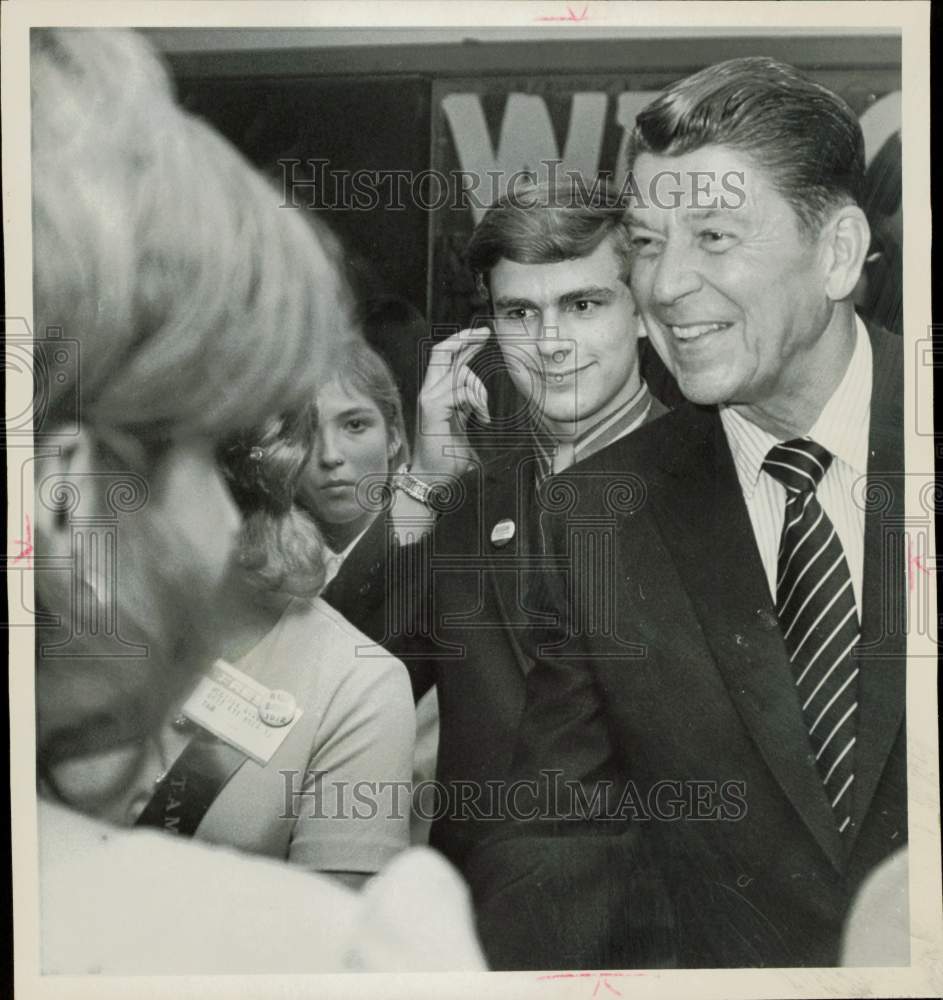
<point>881,653</point>
<point>706,526</point>
<point>509,494</point>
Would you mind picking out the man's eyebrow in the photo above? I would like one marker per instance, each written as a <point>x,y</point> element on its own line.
<point>708,214</point>
<point>512,302</point>
<point>632,218</point>
<point>589,292</point>
<point>576,295</point>
<point>691,215</point>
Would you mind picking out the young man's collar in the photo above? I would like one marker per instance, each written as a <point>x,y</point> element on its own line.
<point>555,455</point>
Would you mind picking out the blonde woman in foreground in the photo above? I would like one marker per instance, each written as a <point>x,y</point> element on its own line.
<point>199,310</point>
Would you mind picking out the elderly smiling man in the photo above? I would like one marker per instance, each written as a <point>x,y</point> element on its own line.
<point>757,574</point>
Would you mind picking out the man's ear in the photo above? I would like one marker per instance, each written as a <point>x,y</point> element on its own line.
<point>847,239</point>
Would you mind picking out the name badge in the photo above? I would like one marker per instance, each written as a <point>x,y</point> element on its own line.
<point>241,712</point>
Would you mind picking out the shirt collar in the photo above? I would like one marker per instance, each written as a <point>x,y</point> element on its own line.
<point>842,426</point>
<point>749,446</point>
<point>333,561</point>
<point>591,439</point>
<point>844,422</point>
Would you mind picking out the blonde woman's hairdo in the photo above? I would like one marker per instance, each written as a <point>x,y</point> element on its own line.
<point>279,546</point>
<point>200,304</point>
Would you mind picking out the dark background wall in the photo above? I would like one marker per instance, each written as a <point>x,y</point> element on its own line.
<point>354,123</point>
<point>379,107</point>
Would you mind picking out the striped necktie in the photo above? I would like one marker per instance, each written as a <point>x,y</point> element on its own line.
<point>819,621</point>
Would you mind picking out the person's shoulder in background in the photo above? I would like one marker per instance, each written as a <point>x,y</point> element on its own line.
<point>877,930</point>
<point>363,690</point>
<point>337,648</point>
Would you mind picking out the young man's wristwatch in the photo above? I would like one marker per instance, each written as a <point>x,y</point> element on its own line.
<point>428,496</point>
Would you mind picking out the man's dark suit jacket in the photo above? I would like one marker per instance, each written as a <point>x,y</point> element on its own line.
<point>458,610</point>
<point>710,697</point>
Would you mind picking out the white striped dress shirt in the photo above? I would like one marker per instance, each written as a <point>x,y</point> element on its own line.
<point>842,428</point>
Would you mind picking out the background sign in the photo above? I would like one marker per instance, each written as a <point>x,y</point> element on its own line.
<point>487,131</point>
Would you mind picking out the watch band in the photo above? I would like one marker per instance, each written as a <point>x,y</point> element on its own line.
<point>417,489</point>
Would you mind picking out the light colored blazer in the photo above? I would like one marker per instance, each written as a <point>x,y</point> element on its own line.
<point>356,733</point>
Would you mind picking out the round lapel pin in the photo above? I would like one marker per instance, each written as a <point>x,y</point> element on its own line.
<point>503,532</point>
<point>278,709</point>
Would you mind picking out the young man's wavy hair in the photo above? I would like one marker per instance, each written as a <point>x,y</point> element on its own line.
<point>547,224</point>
